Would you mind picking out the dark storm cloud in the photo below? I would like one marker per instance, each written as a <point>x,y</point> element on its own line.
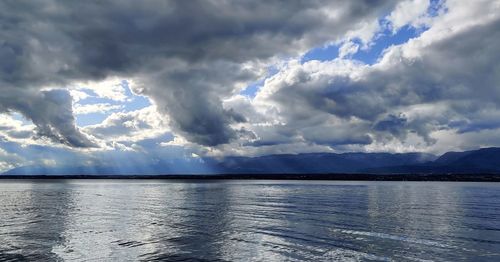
<point>336,136</point>
<point>391,124</point>
<point>188,55</point>
<point>51,111</point>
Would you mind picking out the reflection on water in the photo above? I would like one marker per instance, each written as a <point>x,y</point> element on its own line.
<point>248,220</point>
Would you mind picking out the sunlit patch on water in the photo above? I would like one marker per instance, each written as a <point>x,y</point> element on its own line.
<point>248,221</point>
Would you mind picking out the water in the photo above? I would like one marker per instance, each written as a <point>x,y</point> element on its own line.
<point>76,220</point>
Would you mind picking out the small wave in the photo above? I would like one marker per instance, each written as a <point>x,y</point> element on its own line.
<point>393,237</point>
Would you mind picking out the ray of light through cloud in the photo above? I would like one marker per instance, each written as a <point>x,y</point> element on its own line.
<point>270,78</point>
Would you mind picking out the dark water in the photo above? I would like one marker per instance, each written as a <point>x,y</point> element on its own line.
<point>248,221</point>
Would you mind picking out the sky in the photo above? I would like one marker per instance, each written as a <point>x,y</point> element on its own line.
<point>122,81</point>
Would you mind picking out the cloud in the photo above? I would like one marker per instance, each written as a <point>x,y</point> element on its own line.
<point>129,127</point>
<point>348,48</point>
<point>14,130</point>
<point>9,161</point>
<point>446,79</point>
<point>187,56</point>
<point>409,12</point>
<point>193,58</point>
<point>51,112</point>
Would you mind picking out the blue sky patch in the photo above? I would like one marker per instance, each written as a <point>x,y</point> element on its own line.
<point>386,39</point>
<point>326,53</point>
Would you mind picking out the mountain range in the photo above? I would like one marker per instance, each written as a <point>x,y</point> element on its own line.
<point>485,160</point>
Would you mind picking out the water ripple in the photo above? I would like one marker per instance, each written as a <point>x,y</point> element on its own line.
<point>249,221</point>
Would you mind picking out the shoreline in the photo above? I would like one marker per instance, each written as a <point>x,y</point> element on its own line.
<point>304,177</point>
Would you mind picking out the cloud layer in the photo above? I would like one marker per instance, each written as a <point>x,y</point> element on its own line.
<point>193,59</point>
<point>186,55</point>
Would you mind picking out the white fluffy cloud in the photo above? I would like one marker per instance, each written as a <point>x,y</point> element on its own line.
<point>409,12</point>
<point>130,126</point>
<point>9,160</point>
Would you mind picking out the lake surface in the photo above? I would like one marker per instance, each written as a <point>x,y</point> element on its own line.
<point>134,220</point>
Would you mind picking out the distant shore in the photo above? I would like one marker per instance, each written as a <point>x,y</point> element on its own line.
<point>333,177</point>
